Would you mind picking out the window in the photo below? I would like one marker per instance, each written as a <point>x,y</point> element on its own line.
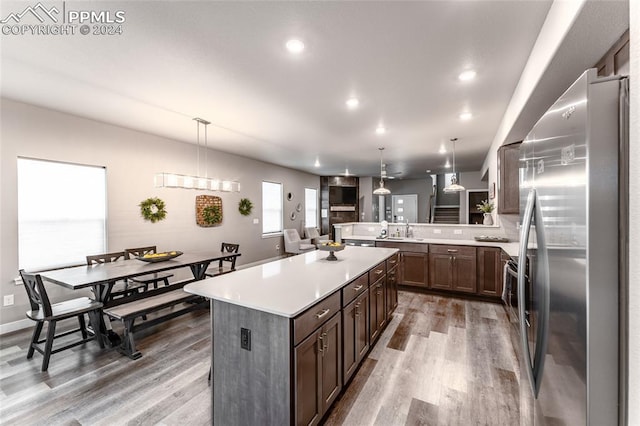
<point>271,208</point>
<point>61,213</point>
<point>310,208</point>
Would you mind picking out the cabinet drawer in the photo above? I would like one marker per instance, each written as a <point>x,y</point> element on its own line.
<point>393,261</point>
<point>315,316</point>
<point>354,289</point>
<point>453,250</point>
<point>377,272</point>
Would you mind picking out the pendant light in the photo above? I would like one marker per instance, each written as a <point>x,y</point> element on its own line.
<point>175,180</point>
<point>381,190</point>
<point>454,187</point>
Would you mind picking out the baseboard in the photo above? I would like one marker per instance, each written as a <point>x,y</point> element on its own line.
<point>15,326</point>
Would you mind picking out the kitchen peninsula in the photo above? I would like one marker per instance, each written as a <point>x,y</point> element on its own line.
<point>287,335</point>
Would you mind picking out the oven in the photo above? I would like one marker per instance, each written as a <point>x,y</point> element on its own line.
<point>510,294</point>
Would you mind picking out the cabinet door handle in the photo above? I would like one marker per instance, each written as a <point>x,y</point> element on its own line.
<point>452,251</point>
<point>378,272</point>
<point>357,306</point>
<point>326,342</point>
<point>392,261</point>
<point>321,344</point>
<point>358,288</point>
<point>322,313</point>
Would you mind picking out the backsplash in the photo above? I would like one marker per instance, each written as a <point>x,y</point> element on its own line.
<point>507,228</point>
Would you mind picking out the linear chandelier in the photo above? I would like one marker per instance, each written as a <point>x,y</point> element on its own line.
<point>175,180</point>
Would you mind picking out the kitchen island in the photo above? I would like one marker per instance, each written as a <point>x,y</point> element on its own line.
<point>286,335</point>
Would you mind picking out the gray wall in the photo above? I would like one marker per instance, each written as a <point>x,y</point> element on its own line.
<point>365,193</point>
<point>422,187</point>
<point>131,159</point>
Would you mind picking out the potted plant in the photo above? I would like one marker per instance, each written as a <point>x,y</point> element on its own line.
<point>486,207</point>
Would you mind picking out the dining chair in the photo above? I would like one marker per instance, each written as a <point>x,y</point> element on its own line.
<point>226,264</point>
<point>120,288</point>
<point>151,279</point>
<point>294,245</point>
<point>42,311</point>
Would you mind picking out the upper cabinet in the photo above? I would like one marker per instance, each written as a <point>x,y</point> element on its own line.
<point>508,184</point>
<point>616,60</point>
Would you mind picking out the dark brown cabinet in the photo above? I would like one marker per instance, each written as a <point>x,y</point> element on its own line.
<point>616,60</point>
<point>318,371</point>
<point>377,311</point>
<point>392,291</point>
<point>490,267</point>
<point>414,269</point>
<point>508,179</point>
<point>355,319</point>
<point>452,268</point>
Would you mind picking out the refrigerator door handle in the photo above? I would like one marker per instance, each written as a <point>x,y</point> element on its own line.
<point>535,366</point>
<point>522,264</point>
<point>542,277</point>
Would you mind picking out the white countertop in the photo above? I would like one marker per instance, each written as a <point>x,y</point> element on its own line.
<point>288,286</point>
<point>510,248</point>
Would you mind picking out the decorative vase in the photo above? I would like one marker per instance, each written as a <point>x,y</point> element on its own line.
<point>488,219</point>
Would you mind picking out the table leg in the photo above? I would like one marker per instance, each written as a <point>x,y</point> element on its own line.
<point>110,337</point>
<point>198,270</point>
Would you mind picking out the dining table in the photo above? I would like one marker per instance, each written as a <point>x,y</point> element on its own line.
<point>102,277</point>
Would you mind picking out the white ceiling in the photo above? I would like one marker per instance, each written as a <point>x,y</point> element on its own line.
<point>226,62</point>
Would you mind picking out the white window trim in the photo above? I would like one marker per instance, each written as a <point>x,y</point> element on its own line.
<point>281,231</point>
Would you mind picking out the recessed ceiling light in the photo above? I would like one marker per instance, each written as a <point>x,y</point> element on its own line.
<point>467,75</point>
<point>352,103</point>
<point>428,170</point>
<point>442,150</point>
<point>466,116</point>
<point>380,130</point>
<point>295,46</point>
<point>317,163</point>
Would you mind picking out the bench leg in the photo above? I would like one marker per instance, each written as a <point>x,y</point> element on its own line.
<point>128,343</point>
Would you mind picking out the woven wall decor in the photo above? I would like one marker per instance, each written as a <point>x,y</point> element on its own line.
<point>208,210</point>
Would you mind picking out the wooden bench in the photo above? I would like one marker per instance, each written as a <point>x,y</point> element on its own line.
<point>142,306</point>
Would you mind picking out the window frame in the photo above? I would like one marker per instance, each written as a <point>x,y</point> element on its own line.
<point>281,231</point>
<point>23,220</point>
<point>317,209</point>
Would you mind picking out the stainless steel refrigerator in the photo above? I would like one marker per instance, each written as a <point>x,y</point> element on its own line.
<point>570,186</point>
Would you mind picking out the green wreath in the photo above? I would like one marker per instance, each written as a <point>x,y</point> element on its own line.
<point>152,209</point>
<point>212,215</point>
<point>245,206</point>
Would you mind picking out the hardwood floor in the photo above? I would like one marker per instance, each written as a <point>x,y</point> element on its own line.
<point>440,361</point>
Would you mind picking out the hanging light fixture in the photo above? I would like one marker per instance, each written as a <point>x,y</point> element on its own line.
<point>454,187</point>
<point>381,190</point>
<point>173,180</point>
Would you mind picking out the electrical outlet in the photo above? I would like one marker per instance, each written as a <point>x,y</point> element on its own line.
<point>245,338</point>
<point>277,246</point>
<point>437,231</point>
<point>256,221</point>
<point>8,300</point>
<point>457,231</point>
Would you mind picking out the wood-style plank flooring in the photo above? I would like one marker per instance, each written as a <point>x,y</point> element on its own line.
<point>441,361</point>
